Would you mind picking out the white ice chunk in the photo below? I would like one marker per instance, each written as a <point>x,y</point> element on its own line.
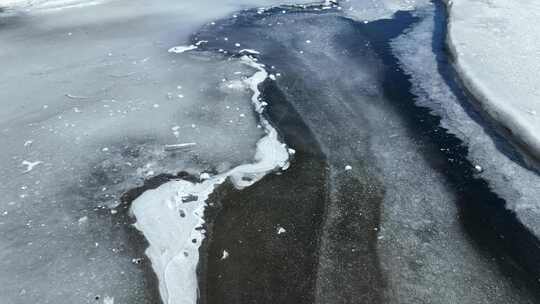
<point>181,49</point>
<point>497,53</point>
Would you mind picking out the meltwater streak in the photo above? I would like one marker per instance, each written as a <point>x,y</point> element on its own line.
<point>171,216</point>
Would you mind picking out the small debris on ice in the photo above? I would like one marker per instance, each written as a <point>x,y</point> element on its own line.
<point>30,165</point>
<point>28,143</point>
<point>281,230</point>
<point>225,255</point>
<point>181,49</point>
<point>75,96</point>
<point>179,146</point>
<point>348,168</point>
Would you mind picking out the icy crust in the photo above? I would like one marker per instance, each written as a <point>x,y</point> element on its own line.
<point>497,54</point>
<point>516,184</point>
<point>171,216</point>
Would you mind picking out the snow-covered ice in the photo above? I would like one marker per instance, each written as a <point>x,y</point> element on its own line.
<point>496,47</point>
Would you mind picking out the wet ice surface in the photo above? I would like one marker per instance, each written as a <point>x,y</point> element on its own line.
<point>93,106</point>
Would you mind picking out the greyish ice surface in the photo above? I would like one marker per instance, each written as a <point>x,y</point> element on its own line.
<point>90,98</point>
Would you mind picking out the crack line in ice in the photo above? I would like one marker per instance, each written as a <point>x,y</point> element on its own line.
<point>173,225</point>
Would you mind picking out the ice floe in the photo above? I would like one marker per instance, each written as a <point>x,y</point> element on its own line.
<point>497,53</point>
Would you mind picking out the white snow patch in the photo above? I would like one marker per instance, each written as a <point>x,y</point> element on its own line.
<point>497,53</point>
<point>171,216</point>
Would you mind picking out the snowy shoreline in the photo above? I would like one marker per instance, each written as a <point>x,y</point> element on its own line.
<point>509,99</point>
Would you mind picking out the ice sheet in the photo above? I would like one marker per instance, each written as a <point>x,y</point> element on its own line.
<point>497,53</point>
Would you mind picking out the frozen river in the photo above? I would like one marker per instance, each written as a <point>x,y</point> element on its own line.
<point>253,152</point>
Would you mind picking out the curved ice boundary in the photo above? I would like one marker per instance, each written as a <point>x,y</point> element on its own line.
<point>171,216</point>
<point>497,54</point>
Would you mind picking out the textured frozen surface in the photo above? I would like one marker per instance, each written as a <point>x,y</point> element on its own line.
<point>90,100</point>
<point>497,53</point>
<point>518,185</point>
